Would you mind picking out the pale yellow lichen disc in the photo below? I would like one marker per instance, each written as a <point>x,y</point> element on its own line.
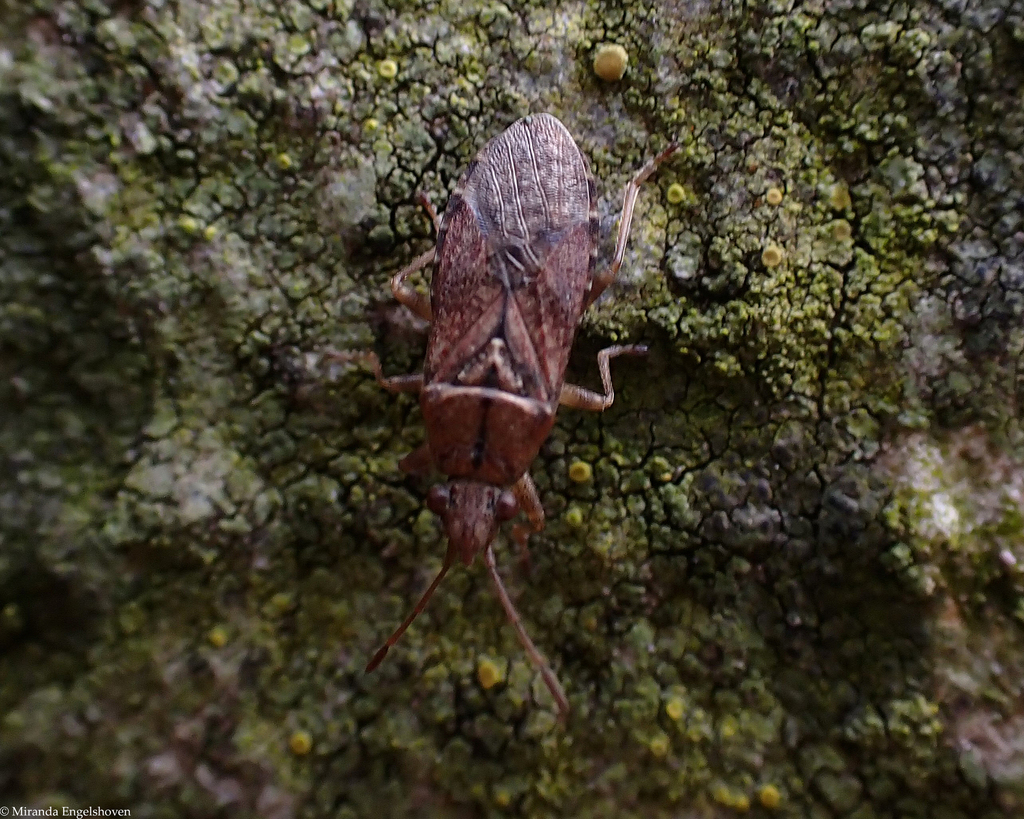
<point>773,197</point>
<point>659,745</point>
<point>772,256</point>
<point>488,673</point>
<point>676,193</point>
<point>610,61</point>
<point>388,69</point>
<point>580,472</point>
<point>301,743</point>
<point>770,796</point>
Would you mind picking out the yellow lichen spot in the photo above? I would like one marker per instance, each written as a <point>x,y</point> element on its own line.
<point>610,61</point>
<point>841,230</point>
<point>218,636</point>
<point>773,197</point>
<point>188,224</point>
<point>209,232</point>
<point>502,797</point>
<point>675,708</point>
<point>676,193</point>
<point>772,256</point>
<point>388,69</point>
<point>284,162</point>
<point>839,196</point>
<point>731,799</point>
<point>281,603</point>
<point>371,124</point>
<point>489,673</point>
<point>659,745</point>
<point>580,472</point>
<point>728,728</point>
<point>574,517</point>
<point>301,743</point>
<point>769,796</point>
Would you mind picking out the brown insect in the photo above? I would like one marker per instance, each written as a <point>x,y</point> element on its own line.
<point>513,272</point>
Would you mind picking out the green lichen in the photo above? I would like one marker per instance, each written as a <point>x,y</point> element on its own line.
<point>783,570</point>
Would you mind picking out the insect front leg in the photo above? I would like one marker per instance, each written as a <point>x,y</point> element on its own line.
<point>581,398</point>
<point>394,383</point>
<point>418,462</point>
<point>529,502</point>
<point>606,277</point>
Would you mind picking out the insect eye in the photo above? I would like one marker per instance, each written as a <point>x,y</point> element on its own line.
<point>437,499</point>
<point>506,507</point>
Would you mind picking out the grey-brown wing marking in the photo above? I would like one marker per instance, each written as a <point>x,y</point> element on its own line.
<point>519,229</point>
<point>551,303</point>
<point>537,183</point>
<point>462,291</point>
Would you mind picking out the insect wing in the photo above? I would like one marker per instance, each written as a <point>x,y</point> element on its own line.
<point>514,257</point>
<point>465,299</point>
<point>542,314</point>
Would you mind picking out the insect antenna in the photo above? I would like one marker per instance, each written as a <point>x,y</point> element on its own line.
<point>531,650</point>
<point>382,652</point>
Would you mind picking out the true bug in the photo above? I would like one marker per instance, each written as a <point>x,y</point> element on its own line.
<point>514,269</point>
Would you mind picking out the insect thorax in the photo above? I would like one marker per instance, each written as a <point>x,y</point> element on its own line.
<point>493,367</point>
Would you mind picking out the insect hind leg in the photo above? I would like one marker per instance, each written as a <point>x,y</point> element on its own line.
<point>418,302</point>
<point>428,206</point>
<point>606,277</point>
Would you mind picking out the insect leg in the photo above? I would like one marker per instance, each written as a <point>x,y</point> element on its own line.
<point>428,206</point>
<point>606,277</point>
<point>531,650</point>
<point>417,462</point>
<point>395,383</point>
<point>529,502</point>
<point>418,302</point>
<point>581,398</point>
<point>382,652</point>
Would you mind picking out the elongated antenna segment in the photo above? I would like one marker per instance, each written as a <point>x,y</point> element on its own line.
<point>532,651</point>
<point>382,652</point>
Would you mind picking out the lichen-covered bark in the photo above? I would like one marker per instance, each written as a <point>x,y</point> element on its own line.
<point>783,575</point>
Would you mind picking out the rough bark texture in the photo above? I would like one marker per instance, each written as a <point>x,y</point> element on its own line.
<point>781,576</point>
